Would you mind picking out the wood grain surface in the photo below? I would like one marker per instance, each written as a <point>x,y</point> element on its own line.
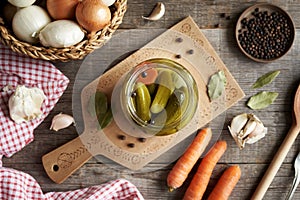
<point>253,159</point>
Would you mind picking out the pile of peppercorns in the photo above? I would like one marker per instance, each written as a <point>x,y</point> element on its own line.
<point>265,35</point>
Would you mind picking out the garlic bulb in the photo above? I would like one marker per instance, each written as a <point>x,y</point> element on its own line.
<point>246,128</point>
<point>61,33</point>
<point>21,3</point>
<point>61,121</point>
<point>28,21</point>
<point>25,104</point>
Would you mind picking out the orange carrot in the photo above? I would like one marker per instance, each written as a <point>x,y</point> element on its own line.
<point>186,162</point>
<point>147,77</point>
<point>200,180</point>
<point>226,183</point>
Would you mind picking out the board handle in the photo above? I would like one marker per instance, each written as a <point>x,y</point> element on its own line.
<point>60,163</point>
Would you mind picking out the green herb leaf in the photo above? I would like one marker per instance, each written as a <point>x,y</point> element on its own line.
<point>216,85</point>
<point>105,118</point>
<point>265,79</point>
<point>98,107</point>
<point>97,104</point>
<point>262,100</point>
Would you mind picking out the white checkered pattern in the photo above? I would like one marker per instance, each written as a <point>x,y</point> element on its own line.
<point>20,70</point>
<point>19,185</point>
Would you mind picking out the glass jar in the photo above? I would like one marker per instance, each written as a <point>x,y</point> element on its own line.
<point>157,97</point>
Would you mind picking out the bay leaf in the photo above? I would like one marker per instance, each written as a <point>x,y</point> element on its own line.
<point>265,79</point>
<point>216,85</point>
<point>262,100</point>
<point>99,107</point>
<point>97,104</point>
<point>105,118</point>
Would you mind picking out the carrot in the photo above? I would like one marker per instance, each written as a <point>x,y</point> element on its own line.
<point>184,165</point>
<point>200,180</point>
<point>226,183</point>
<point>147,77</point>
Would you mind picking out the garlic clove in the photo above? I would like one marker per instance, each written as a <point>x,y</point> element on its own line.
<point>61,121</point>
<point>239,122</point>
<point>258,129</point>
<point>255,136</point>
<point>157,13</point>
<point>238,140</point>
<point>246,128</point>
<point>249,127</point>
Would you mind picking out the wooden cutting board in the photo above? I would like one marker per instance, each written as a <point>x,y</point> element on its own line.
<point>183,43</point>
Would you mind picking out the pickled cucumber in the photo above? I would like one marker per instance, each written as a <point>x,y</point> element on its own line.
<point>164,90</point>
<point>143,102</point>
<point>152,89</point>
<point>184,106</point>
<point>167,132</point>
<point>173,107</point>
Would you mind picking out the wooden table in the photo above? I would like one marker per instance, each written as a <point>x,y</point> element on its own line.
<point>253,160</point>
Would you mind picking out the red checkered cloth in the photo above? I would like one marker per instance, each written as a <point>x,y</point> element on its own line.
<point>18,185</point>
<point>20,70</point>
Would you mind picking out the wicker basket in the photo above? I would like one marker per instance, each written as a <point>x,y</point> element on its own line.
<point>77,51</point>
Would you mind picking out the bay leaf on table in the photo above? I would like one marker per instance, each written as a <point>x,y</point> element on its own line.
<point>265,79</point>
<point>262,100</point>
<point>216,85</point>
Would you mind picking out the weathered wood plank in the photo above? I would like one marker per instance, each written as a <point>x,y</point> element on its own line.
<point>254,159</point>
<point>207,13</point>
<point>153,184</point>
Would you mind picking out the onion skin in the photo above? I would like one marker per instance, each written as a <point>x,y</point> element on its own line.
<point>61,33</point>
<point>93,15</point>
<point>21,4</point>
<point>28,21</point>
<point>62,9</point>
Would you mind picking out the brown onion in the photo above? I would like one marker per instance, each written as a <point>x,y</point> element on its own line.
<point>93,15</point>
<point>59,9</point>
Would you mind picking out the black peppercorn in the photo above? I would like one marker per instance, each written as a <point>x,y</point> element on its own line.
<point>264,35</point>
<point>131,145</point>
<point>191,51</point>
<point>122,137</point>
<point>179,39</point>
<point>142,139</point>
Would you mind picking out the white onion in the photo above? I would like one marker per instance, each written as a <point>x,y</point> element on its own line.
<point>61,33</point>
<point>28,21</point>
<point>108,2</point>
<point>21,3</point>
